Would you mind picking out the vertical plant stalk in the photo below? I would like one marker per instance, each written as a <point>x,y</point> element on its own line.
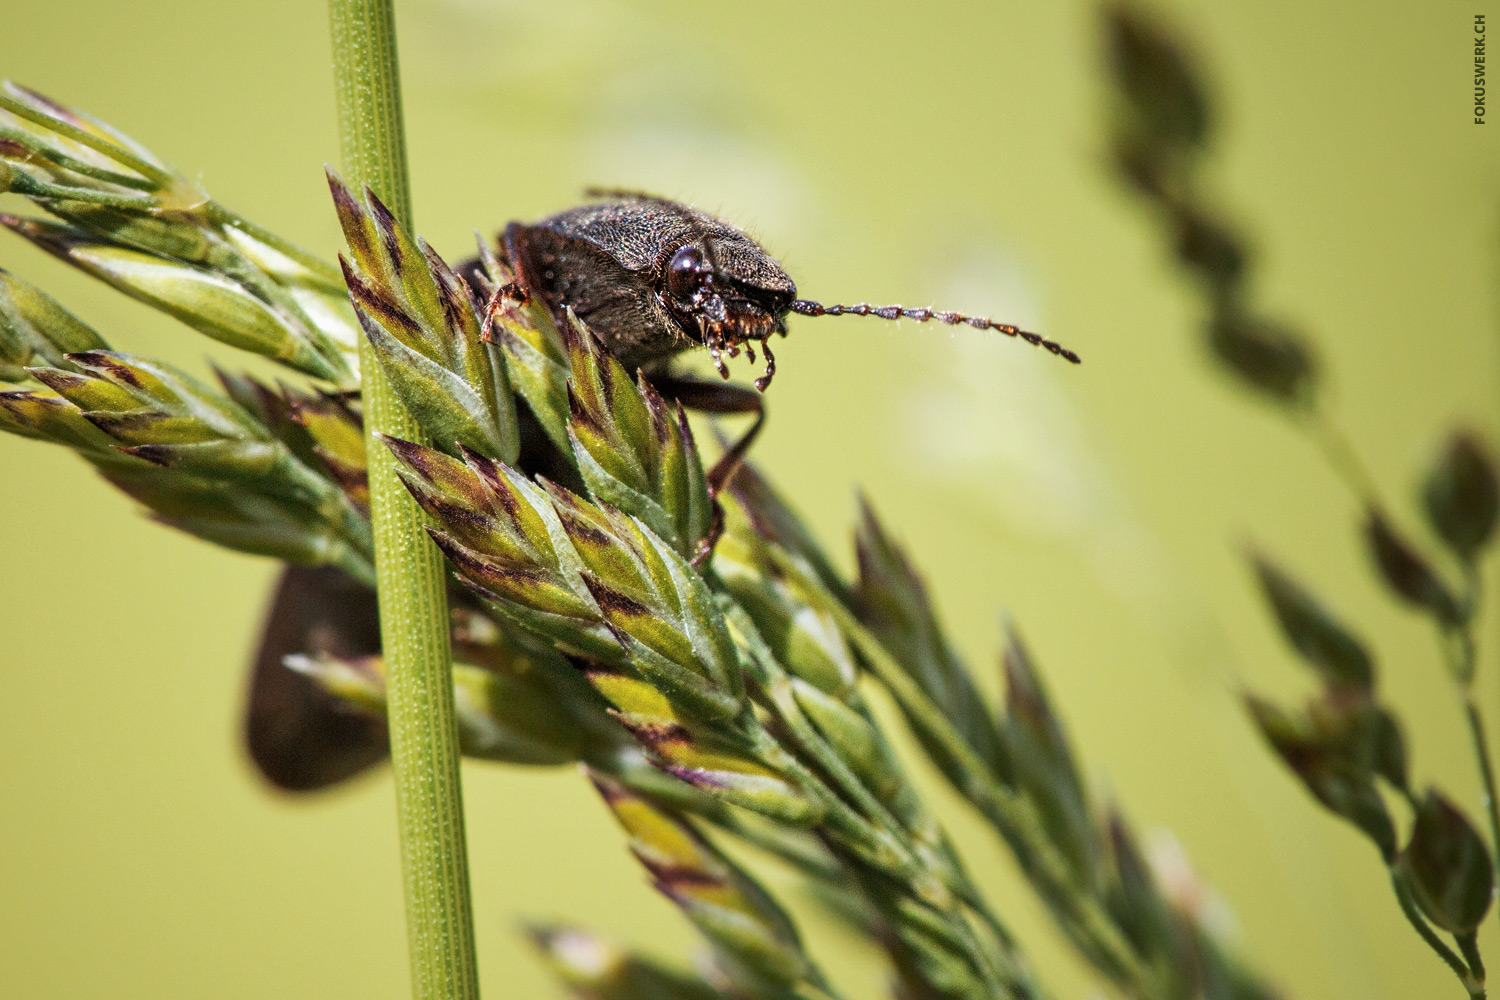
<point>1486,771</point>
<point>1463,668</point>
<point>409,569</point>
<point>1474,986</point>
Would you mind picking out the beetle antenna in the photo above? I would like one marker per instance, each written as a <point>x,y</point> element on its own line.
<point>806,307</point>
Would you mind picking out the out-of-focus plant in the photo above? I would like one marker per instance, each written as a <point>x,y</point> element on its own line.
<point>1346,745</point>
<point>127,218</point>
<point>569,499</point>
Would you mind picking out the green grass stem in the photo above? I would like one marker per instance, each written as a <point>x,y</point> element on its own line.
<point>409,570</point>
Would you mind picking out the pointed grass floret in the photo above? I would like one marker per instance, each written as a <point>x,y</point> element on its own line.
<point>582,574</point>
<point>421,319</point>
<point>729,907</point>
<point>201,461</point>
<point>506,711</point>
<point>536,358</point>
<point>336,434</point>
<point>35,329</point>
<point>633,451</point>
<point>709,757</point>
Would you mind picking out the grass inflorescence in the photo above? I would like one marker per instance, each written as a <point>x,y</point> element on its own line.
<point>708,700</point>
<point>1346,744</point>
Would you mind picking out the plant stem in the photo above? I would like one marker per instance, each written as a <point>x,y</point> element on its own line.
<point>1341,457</point>
<point>1467,662</point>
<point>1474,987</point>
<point>1468,946</point>
<point>1345,461</point>
<point>409,572</point>
<point>1486,772</point>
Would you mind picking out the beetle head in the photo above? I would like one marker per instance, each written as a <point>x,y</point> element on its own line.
<point>724,291</point>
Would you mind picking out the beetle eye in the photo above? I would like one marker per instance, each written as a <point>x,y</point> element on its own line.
<point>685,273</point>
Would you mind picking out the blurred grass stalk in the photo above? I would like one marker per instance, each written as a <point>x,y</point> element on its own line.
<point>409,570</point>
<point>1347,743</point>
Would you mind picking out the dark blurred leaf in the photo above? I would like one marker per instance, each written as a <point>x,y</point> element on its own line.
<point>1210,248</point>
<point>1265,354</point>
<point>1323,642</point>
<point>1142,165</point>
<point>1448,866</point>
<point>1335,776</point>
<point>1160,87</point>
<point>1349,723</point>
<point>1385,746</point>
<point>1462,495</point>
<point>1406,572</point>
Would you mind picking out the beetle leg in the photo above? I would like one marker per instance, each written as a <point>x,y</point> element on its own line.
<point>770,372</point>
<point>718,360</point>
<point>508,292</point>
<point>711,397</point>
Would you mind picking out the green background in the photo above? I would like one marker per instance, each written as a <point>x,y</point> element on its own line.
<point>946,153</point>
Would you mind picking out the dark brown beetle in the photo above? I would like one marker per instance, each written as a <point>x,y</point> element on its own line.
<point>651,278</point>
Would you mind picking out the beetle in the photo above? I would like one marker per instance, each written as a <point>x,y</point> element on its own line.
<point>651,278</point>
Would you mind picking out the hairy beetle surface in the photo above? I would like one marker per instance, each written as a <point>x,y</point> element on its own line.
<point>652,277</point>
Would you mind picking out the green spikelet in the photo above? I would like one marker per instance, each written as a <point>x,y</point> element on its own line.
<point>728,906</point>
<point>420,318</point>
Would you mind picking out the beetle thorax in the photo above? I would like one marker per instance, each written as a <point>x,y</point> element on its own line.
<point>653,278</point>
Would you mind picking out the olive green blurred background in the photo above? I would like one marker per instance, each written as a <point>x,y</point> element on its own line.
<point>947,153</point>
